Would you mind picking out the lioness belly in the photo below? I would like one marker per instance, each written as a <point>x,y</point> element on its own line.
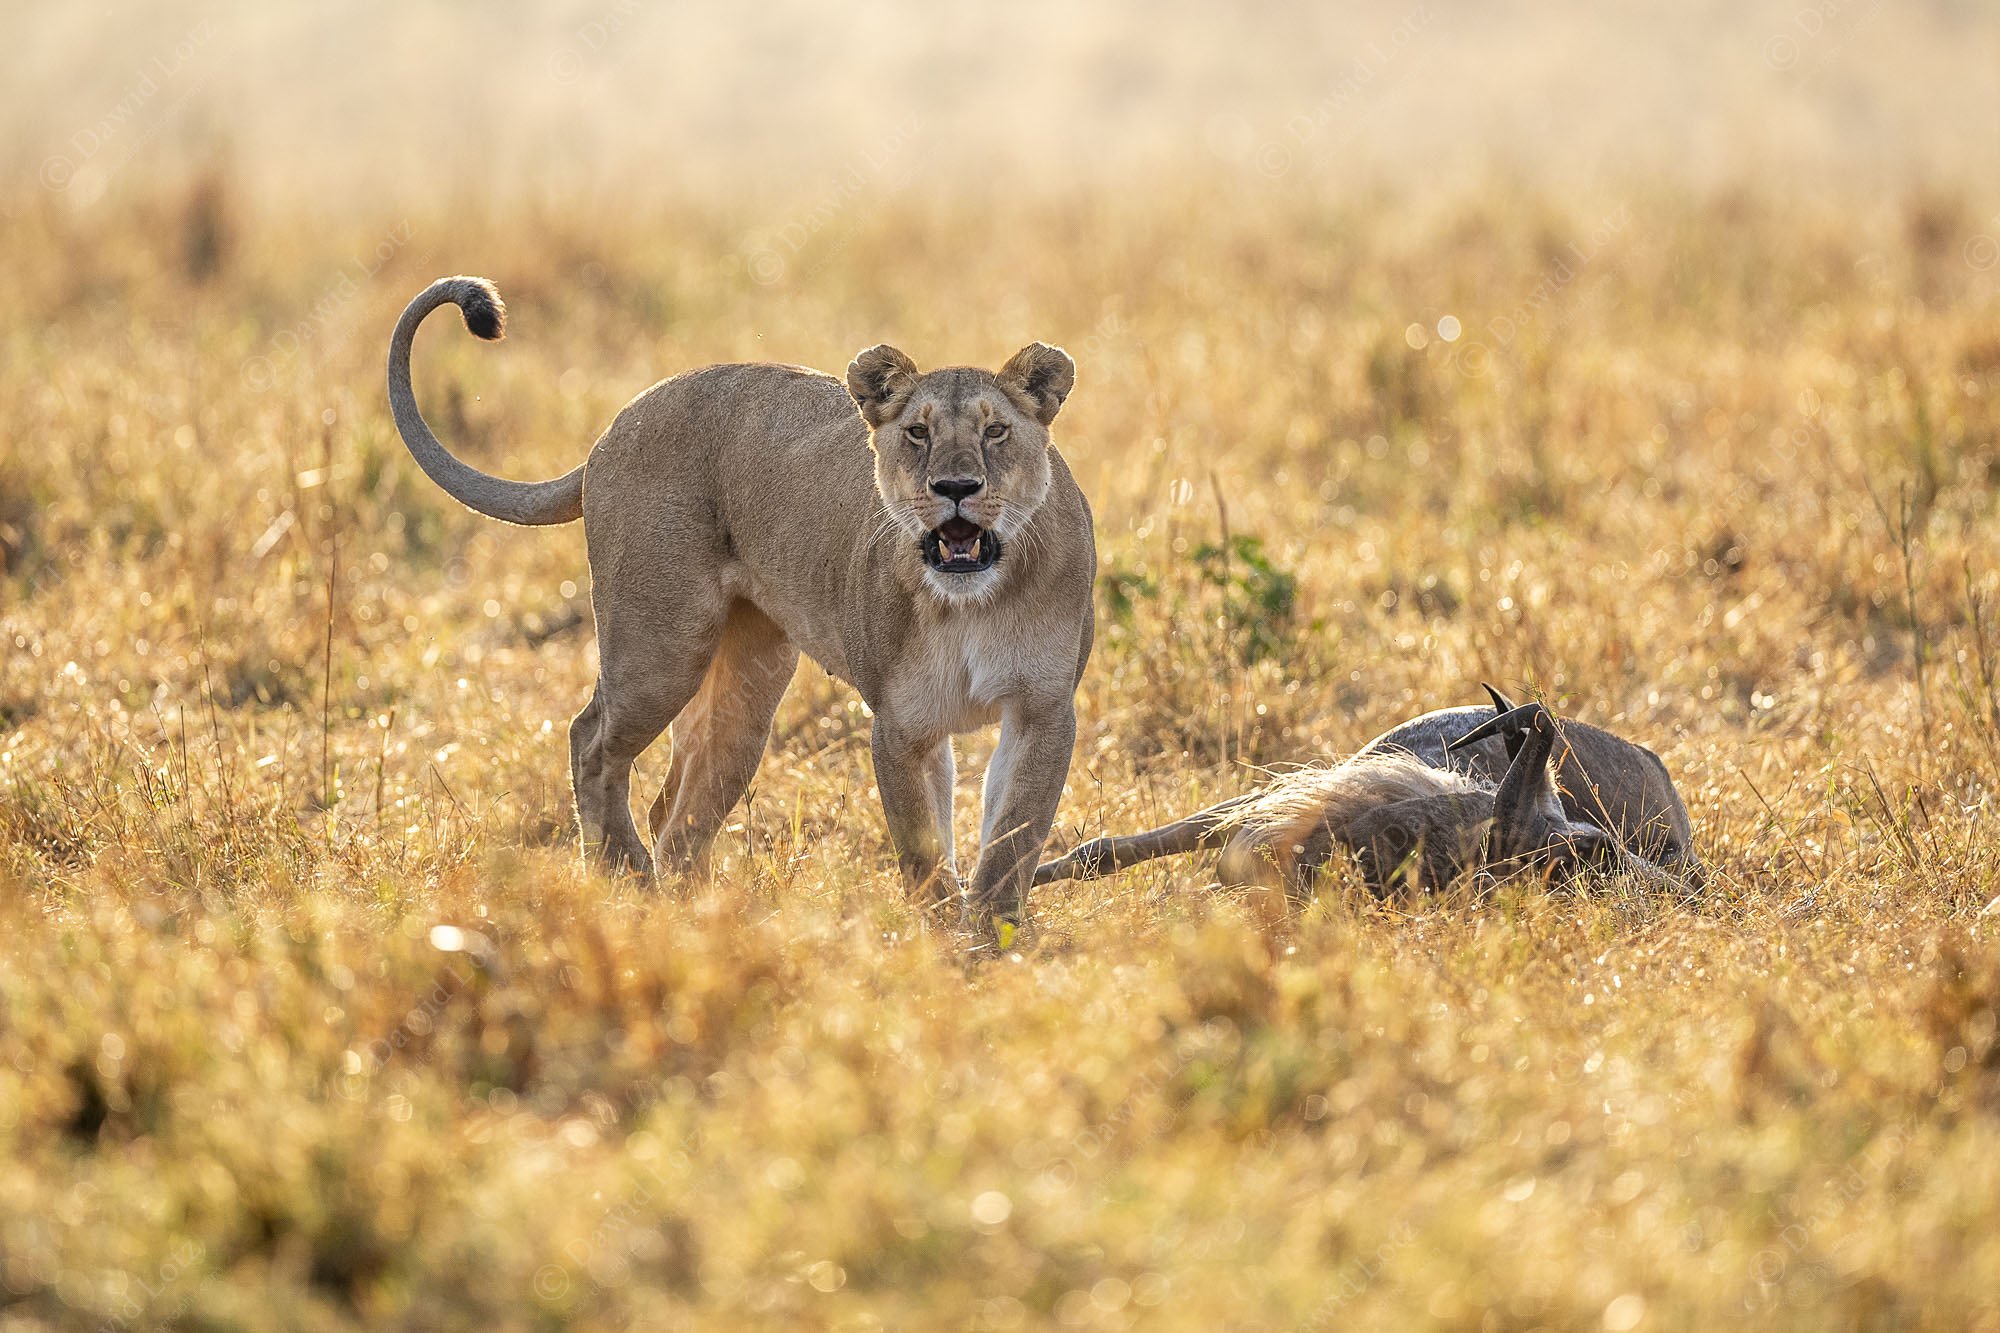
<point>810,615</point>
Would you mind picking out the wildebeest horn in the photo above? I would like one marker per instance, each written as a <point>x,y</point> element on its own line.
<point>1502,705</point>
<point>1511,723</point>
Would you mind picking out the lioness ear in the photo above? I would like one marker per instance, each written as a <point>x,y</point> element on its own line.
<point>877,379</point>
<point>1045,374</point>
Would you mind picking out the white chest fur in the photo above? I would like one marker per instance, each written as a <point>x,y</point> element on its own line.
<point>960,669</point>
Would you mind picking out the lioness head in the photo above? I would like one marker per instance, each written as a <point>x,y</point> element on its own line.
<point>961,455</point>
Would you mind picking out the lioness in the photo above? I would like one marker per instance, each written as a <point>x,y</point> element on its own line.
<point>930,549</point>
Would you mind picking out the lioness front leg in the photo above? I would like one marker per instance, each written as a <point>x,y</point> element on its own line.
<point>914,775</point>
<point>1024,785</point>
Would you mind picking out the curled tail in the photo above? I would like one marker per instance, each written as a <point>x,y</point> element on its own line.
<point>525,502</point>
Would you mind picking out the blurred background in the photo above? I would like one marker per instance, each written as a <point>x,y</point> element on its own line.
<point>634,97</point>
<point>1642,355</point>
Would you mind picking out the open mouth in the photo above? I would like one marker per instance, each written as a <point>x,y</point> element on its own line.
<point>960,546</point>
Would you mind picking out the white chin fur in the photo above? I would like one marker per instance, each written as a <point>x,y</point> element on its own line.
<point>963,589</point>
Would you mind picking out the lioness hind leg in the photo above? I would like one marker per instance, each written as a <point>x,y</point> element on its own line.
<point>660,610</point>
<point>640,689</point>
<point>719,738</point>
<point>612,730</point>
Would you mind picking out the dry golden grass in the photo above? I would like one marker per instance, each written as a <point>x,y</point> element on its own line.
<point>306,1006</point>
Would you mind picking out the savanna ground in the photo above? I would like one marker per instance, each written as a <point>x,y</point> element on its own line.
<point>309,1015</point>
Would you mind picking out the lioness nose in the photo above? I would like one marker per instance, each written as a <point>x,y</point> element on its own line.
<point>957,488</point>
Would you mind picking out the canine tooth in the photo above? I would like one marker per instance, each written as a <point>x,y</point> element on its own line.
<point>972,552</point>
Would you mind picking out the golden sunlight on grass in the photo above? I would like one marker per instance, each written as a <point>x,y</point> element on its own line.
<point>306,1005</point>
<point>306,1000</point>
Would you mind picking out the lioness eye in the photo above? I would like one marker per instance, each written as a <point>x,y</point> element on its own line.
<point>918,432</point>
<point>996,430</point>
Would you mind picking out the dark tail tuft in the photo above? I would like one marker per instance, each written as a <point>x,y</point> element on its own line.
<point>485,313</point>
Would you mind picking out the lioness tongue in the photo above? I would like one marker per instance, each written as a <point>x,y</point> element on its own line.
<point>953,548</point>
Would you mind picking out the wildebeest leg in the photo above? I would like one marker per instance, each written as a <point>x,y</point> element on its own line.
<point>1106,855</point>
